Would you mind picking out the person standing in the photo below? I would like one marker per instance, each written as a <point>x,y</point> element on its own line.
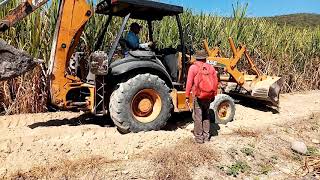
<point>203,81</point>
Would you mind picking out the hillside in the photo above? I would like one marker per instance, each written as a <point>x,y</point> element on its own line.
<point>301,19</point>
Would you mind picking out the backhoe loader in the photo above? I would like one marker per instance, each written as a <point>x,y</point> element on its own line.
<point>138,91</point>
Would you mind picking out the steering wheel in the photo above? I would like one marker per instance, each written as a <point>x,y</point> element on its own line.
<point>3,2</point>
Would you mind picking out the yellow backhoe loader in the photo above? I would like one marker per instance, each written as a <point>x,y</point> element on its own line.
<point>138,91</point>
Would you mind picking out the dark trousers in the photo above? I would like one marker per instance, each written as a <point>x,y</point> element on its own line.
<point>201,119</point>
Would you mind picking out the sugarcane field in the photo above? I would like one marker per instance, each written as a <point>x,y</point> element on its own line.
<point>166,89</point>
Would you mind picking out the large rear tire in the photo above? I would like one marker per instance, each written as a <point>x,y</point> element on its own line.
<point>223,109</point>
<point>142,103</point>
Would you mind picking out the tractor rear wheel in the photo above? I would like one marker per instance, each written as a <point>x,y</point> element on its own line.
<point>142,103</point>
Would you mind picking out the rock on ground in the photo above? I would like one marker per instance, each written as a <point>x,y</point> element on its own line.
<point>299,147</point>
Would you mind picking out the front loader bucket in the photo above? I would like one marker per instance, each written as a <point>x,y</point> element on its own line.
<point>267,89</point>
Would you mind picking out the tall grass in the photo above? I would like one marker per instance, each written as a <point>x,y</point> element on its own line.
<point>33,34</point>
<point>278,50</point>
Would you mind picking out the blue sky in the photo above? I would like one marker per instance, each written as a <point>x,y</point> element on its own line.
<point>255,8</point>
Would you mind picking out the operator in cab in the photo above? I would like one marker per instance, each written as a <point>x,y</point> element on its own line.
<point>133,40</point>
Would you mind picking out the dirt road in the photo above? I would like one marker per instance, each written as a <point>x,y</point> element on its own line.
<point>255,145</point>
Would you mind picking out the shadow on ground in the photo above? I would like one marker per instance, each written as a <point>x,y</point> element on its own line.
<point>258,105</point>
<point>177,121</point>
<point>77,121</point>
<point>182,120</point>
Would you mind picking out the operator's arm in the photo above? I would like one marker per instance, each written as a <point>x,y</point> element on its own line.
<point>145,45</point>
<point>190,80</point>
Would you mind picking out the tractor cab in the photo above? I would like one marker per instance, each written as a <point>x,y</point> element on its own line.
<point>169,61</point>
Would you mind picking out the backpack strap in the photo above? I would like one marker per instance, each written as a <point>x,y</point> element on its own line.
<point>200,66</point>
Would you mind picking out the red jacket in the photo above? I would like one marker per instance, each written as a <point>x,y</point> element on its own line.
<point>193,71</point>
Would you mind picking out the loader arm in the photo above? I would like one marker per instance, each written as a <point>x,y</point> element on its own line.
<point>20,12</point>
<point>231,63</point>
<point>258,86</point>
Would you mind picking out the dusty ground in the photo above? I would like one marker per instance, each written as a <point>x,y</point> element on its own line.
<point>256,145</point>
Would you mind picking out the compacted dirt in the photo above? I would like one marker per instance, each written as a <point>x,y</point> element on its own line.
<point>256,145</point>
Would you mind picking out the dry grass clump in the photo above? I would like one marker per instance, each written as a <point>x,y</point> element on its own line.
<point>311,166</point>
<point>178,162</point>
<point>24,94</point>
<point>247,132</point>
<point>89,168</point>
